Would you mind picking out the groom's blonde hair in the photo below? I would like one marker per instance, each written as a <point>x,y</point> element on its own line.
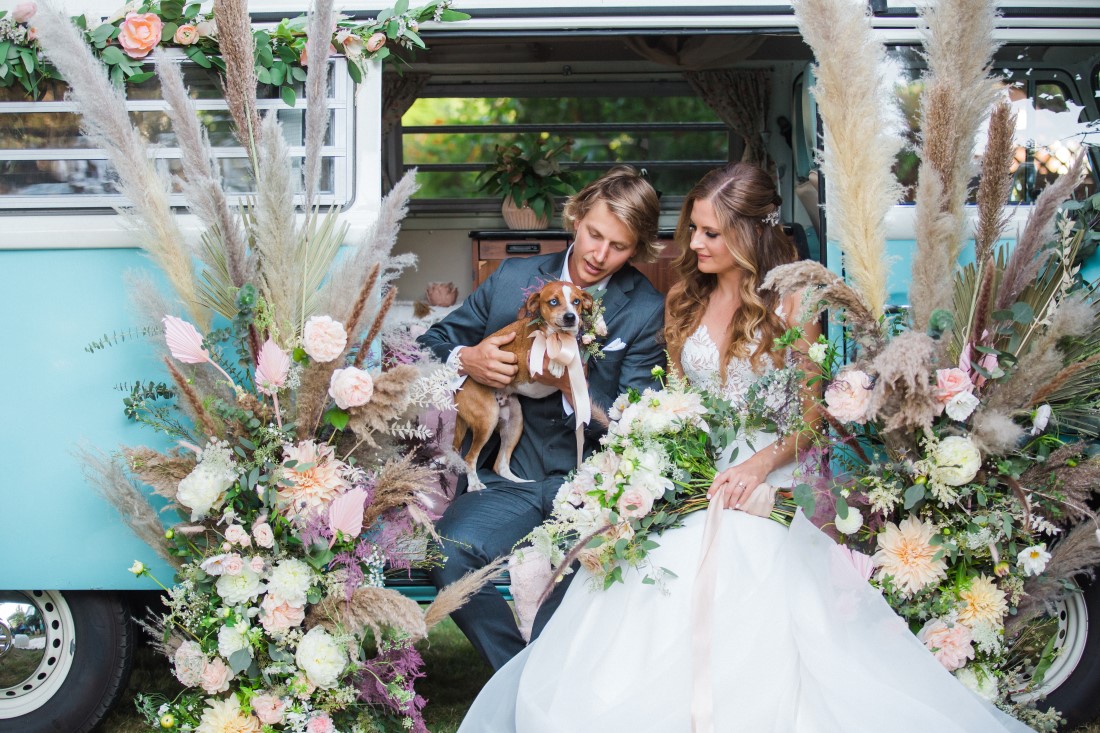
<point>631,198</point>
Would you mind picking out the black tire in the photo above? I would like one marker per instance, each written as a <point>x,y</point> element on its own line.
<point>89,649</point>
<point>1076,690</point>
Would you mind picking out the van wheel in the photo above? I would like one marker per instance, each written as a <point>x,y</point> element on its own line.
<point>64,659</point>
<point>1072,684</point>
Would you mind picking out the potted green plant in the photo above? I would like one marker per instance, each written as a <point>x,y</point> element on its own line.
<point>529,176</point>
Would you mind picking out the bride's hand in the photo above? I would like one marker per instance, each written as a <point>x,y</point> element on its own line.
<point>735,485</point>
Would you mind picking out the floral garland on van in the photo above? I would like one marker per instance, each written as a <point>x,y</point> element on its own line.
<point>124,40</point>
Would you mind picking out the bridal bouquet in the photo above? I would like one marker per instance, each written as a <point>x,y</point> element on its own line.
<point>958,427</point>
<point>658,459</point>
<point>293,462</point>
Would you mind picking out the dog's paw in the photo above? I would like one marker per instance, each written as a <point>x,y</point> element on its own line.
<point>473,483</point>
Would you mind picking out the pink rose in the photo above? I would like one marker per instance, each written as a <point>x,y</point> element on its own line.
<point>24,12</point>
<point>232,564</point>
<point>353,44</point>
<point>189,662</point>
<point>256,563</point>
<point>278,616</point>
<point>324,339</point>
<point>263,534</point>
<point>320,723</point>
<point>215,677</point>
<point>848,397</point>
<point>376,42</point>
<point>235,533</point>
<point>950,382</point>
<point>268,708</point>
<point>186,35</point>
<point>635,502</point>
<point>351,387</point>
<point>950,642</point>
<point>32,33</point>
<point>139,34</point>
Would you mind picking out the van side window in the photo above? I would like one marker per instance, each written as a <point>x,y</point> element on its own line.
<point>1048,89</point>
<point>451,138</point>
<point>48,164</point>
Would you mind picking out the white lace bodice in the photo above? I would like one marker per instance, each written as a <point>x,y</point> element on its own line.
<point>699,360</point>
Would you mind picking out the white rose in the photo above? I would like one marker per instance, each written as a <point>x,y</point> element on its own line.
<point>956,461</point>
<point>960,406</point>
<point>978,681</point>
<point>817,352</point>
<point>203,489</point>
<point>188,662</point>
<point>1042,417</point>
<point>851,524</point>
<point>289,581</point>
<point>1033,560</point>
<point>324,339</point>
<point>263,534</point>
<point>232,639</point>
<point>321,658</point>
<point>240,588</point>
<point>351,387</point>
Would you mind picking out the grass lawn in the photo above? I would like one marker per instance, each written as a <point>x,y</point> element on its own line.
<point>455,673</point>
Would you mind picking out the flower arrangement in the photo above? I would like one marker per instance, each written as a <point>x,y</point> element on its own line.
<point>660,455</point>
<point>293,468</point>
<point>530,175</point>
<point>123,40</point>
<point>956,429</point>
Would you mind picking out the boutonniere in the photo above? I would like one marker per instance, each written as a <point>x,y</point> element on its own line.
<point>593,327</point>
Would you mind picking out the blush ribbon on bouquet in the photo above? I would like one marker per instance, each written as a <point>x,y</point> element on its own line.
<point>562,349</point>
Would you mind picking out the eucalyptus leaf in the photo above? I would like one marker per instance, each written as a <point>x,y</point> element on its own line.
<point>240,659</point>
<point>914,494</point>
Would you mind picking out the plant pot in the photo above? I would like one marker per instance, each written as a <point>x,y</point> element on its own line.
<point>522,217</point>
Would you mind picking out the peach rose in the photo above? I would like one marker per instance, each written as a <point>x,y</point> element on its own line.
<point>351,387</point>
<point>950,642</point>
<point>263,534</point>
<point>950,382</point>
<point>635,502</point>
<point>268,708</point>
<point>848,397</point>
<point>24,12</point>
<point>376,42</point>
<point>278,616</point>
<point>232,565</point>
<point>186,35</point>
<point>324,339</point>
<point>215,677</point>
<point>139,34</point>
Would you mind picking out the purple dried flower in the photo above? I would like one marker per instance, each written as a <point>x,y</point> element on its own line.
<point>387,681</point>
<point>315,529</point>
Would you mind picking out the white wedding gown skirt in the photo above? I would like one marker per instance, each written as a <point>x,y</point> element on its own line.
<point>800,642</point>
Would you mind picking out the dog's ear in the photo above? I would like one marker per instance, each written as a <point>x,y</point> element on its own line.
<point>587,301</point>
<point>531,307</point>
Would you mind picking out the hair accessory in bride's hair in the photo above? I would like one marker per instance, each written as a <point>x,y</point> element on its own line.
<point>771,219</point>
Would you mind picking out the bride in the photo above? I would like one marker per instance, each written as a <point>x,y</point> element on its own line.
<point>797,639</point>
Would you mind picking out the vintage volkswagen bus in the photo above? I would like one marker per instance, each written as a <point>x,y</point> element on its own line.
<point>617,77</point>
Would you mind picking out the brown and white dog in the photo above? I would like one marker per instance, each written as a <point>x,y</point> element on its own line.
<point>549,323</point>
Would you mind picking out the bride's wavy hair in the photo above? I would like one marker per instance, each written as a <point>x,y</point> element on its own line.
<point>745,202</point>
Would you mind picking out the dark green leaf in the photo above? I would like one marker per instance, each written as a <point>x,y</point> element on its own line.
<point>337,418</point>
<point>263,75</point>
<point>4,49</point>
<point>299,74</point>
<point>196,55</point>
<point>353,71</point>
<point>168,30</point>
<point>143,76</point>
<point>288,95</point>
<point>191,10</point>
<point>841,508</point>
<point>1045,660</point>
<point>287,54</point>
<point>400,7</point>
<point>1022,313</point>
<point>278,74</point>
<point>240,659</point>
<point>171,10</point>
<point>449,16</point>
<point>103,32</point>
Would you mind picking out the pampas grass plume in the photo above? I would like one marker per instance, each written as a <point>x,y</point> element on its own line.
<point>454,596</point>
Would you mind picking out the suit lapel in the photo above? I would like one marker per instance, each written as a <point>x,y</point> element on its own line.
<point>618,292</point>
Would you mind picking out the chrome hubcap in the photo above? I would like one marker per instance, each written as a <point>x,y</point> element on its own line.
<point>37,642</point>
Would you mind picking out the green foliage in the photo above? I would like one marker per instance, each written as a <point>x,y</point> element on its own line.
<point>530,174</point>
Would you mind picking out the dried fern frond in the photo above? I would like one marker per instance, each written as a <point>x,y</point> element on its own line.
<point>902,396</point>
<point>162,471</point>
<point>238,51</point>
<point>1030,253</point>
<point>824,289</point>
<point>862,136</point>
<point>108,475</point>
<point>369,608</point>
<point>454,596</point>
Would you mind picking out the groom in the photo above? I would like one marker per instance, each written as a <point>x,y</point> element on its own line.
<point>614,221</point>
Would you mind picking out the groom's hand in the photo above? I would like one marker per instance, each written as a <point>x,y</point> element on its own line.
<point>488,364</point>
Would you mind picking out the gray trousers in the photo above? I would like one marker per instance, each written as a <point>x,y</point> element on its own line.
<point>479,527</point>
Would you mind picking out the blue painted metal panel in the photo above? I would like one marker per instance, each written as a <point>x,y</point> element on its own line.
<point>57,532</point>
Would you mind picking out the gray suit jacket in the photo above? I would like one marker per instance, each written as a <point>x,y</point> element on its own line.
<point>634,313</point>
